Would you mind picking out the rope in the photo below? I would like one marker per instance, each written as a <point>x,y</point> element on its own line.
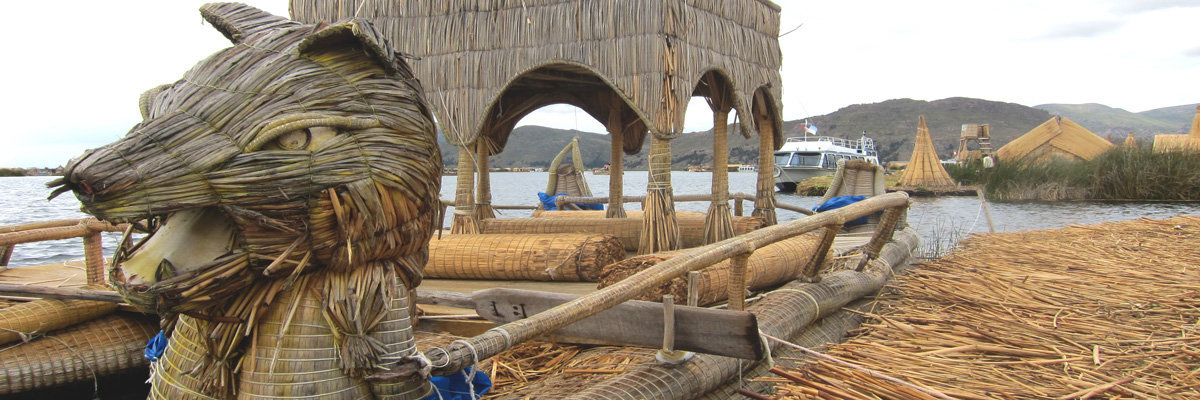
<point>806,294</point>
<point>507,336</point>
<point>848,364</point>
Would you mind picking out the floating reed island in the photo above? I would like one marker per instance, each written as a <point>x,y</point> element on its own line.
<point>1100,311</point>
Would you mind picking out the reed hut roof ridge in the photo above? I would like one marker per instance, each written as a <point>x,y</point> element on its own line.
<point>1058,136</point>
<point>485,64</point>
<point>924,168</point>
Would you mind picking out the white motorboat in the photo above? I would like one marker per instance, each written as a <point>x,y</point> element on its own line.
<point>807,156</point>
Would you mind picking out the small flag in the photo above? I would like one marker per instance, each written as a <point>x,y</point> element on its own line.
<point>810,128</point>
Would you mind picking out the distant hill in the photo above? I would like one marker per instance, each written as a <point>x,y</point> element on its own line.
<point>892,123</point>
<point>1181,116</point>
<point>1104,120</point>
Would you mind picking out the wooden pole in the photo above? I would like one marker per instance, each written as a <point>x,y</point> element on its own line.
<point>693,282</point>
<point>47,292</point>
<point>668,302</point>
<point>987,211</point>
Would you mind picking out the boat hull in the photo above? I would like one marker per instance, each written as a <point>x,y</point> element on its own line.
<point>786,178</point>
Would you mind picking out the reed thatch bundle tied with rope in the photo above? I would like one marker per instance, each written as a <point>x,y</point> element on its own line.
<point>289,183</point>
<point>540,257</point>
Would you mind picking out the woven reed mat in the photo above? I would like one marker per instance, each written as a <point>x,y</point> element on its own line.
<point>769,266</point>
<point>1101,311</point>
<point>44,315</point>
<point>94,349</point>
<point>540,257</point>
<point>294,353</point>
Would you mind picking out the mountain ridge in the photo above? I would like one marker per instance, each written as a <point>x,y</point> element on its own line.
<point>891,123</point>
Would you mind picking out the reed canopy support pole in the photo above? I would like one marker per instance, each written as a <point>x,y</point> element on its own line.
<point>616,167</point>
<point>660,229</point>
<point>764,198</point>
<point>718,225</point>
<point>465,221</point>
<point>483,195</point>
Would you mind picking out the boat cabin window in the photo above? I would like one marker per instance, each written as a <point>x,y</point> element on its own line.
<point>782,158</point>
<point>806,160</point>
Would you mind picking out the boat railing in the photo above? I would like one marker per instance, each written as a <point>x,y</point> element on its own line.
<point>462,353</point>
<point>866,144</point>
<point>87,228</point>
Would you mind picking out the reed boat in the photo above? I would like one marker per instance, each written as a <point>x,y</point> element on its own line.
<point>294,246</point>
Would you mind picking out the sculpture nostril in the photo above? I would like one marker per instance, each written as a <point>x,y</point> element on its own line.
<point>85,188</point>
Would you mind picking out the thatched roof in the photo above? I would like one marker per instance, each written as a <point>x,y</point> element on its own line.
<point>1189,142</point>
<point>486,64</point>
<point>1057,137</point>
<point>924,167</point>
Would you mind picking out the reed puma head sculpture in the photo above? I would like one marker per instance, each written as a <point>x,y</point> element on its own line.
<point>300,147</point>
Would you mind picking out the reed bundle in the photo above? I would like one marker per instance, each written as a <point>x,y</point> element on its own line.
<point>1057,137</point>
<point>769,266</point>
<point>540,257</point>
<point>1101,311</point>
<point>24,320</point>
<point>83,352</point>
<point>629,230</point>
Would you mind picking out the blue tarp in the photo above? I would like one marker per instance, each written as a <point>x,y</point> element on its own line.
<point>155,347</point>
<point>455,386</point>
<point>548,202</point>
<point>842,201</point>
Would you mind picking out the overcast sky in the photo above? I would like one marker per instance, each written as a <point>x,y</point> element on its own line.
<point>73,82</point>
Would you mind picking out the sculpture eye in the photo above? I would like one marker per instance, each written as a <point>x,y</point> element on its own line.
<point>294,140</point>
<point>304,139</point>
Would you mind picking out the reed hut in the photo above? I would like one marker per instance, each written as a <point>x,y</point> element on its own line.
<point>631,64</point>
<point>1057,137</point>
<point>924,167</point>
<point>1188,142</point>
<point>1130,142</point>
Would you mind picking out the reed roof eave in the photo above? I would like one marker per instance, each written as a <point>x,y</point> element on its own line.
<point>1060,133</point>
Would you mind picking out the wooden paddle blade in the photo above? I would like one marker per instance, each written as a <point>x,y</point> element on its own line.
<point>633,323</point>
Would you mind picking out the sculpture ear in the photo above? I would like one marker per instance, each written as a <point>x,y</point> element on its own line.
<point>237,21</point>
<point>146,100</point>
<point>356,33</point>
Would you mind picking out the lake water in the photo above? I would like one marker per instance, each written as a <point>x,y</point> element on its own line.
<point>23,199</point>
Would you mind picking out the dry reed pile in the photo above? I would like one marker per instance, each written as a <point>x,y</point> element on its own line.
<point>635,214</point>
<point>541,257</point>
<point>1103,311</point>
<point>556,371</point>
<point>769,266</point>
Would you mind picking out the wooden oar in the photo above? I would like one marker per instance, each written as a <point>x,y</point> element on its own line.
<point>633,323</point>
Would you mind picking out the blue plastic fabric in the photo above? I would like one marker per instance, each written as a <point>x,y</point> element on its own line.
<point>455,387</point>
<point>155,347</point>
<point>842,201</point>
<point>548,202</point>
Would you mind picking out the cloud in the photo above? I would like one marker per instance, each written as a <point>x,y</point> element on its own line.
<point>1082,29</point>
<point>1193,52</point>
<point>1140,6</point>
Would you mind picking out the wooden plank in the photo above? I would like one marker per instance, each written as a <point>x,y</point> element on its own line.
<point>47,292</point>
<point>633,323</point>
